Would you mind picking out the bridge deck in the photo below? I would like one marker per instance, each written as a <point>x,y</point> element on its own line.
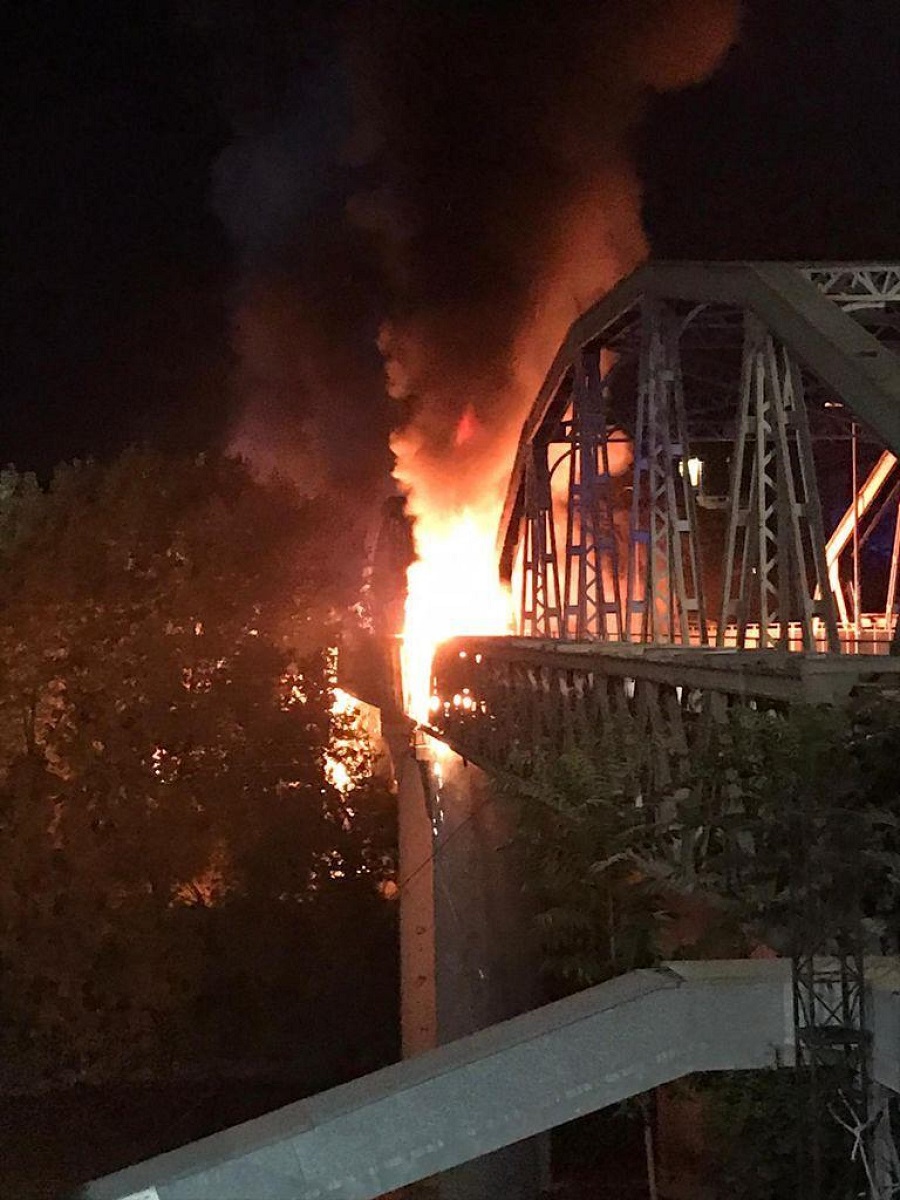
<point>799,677</point>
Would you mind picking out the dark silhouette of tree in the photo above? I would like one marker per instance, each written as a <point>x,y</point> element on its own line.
<point>179,874</point>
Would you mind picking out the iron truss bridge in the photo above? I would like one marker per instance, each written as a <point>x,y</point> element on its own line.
<point>711,460</point>
<point>703,513</point>
<point>498,700</point>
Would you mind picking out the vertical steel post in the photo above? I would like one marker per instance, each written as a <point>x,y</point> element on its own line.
<point>592,589</point>
<point>857,588</point>
<point>804,538</point>
<point>817,598</point>
<point>890,600</point>
<point>540,615</point>
<point>775,527</point>
<point>739,505</point>
<point>665,587</point>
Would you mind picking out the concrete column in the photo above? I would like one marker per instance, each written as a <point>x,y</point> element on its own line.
<point>468,957</point>
<point>418,1011</point>
<point>486,964</point>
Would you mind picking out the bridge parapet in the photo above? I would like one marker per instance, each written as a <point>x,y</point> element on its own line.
<point>497,700</point>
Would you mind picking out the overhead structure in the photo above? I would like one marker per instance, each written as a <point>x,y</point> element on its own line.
<point>685,474</point>
<point>719,445</point>
<point>516,1079</point>
<point>868,505</point>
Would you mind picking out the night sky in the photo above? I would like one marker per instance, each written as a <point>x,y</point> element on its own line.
<point>162,159</point>
<point>114,269</point>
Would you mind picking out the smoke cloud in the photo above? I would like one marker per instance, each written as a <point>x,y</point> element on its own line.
<point>422,218</point>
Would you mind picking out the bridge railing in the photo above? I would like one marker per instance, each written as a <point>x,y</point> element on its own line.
<point>498,699</point>
<point>873,635</point>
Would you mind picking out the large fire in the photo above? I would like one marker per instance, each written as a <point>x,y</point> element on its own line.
<point>456,475</point>
<point>453,586</point>
<point>593,239</point>
<point>453,589</point>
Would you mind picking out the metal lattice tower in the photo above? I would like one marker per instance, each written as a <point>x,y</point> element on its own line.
<point>832,1034</point>
<point>832,1051</point>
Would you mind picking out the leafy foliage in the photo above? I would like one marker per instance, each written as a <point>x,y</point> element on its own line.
<point>785,828</point>
<point>785,822</point>
<point>792,820</point>
<point>753,1119</point>
<point>598,910</point>
<point>169,829</point>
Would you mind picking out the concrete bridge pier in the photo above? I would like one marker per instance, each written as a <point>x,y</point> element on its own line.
<point>468,955</point>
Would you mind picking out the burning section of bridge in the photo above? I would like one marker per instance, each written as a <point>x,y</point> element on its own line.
<point>454,589</point>
<point>466,361</point>
<point>453,586</point>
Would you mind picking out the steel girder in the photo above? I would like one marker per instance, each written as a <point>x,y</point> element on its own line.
<point>541,607</point>
<point>856,286</point>
<point>777,519</point>
<point>592,599</point>
<point>524,696</point>
<point>665,586</point>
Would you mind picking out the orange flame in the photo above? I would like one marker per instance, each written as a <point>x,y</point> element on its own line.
<point>453,586</point>
<point>456,477</point>
<point>453,589</point>
<point>467,427</point>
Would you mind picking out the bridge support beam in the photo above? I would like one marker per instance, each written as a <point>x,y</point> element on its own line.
<point>487,1091</point>
<point>418,1000</point>
<point>486,961</point>
<point>665,580</point>
<point>467,954</point>
<point>593,604</point>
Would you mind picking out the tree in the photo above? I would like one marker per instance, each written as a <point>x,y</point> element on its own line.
<point>168,818</point>
<point>790,820</point>
<point>786,826</point>
<point>599,914</point>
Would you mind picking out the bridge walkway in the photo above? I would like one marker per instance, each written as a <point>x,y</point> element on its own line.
<point>516,1079</point>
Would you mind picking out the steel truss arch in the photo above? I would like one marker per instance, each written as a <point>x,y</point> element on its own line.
<point>680,374</point>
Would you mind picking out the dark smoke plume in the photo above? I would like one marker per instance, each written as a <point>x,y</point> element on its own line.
<point>447,183</point>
